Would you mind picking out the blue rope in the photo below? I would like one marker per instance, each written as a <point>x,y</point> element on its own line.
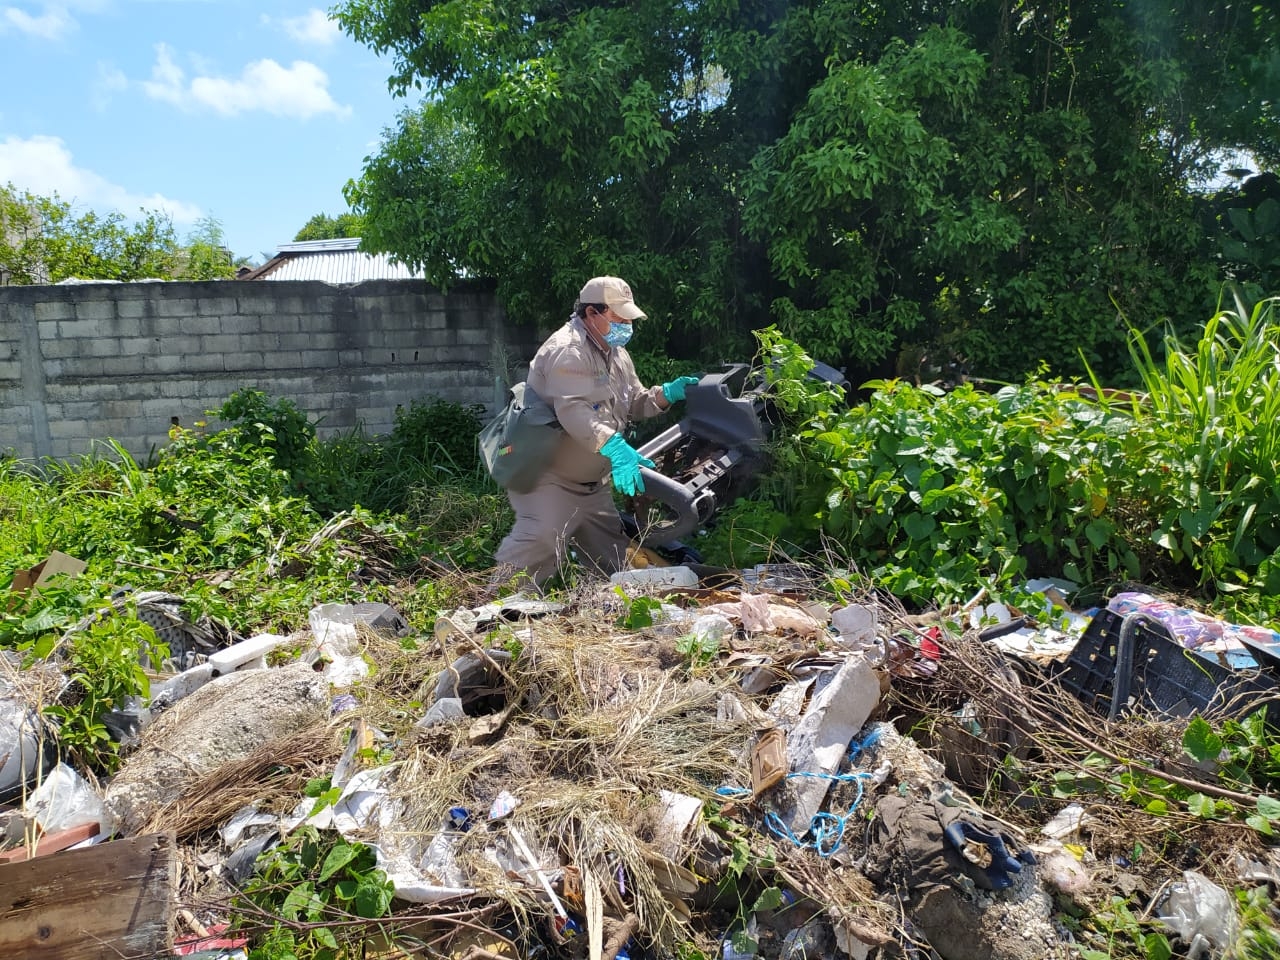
<point>826,829</point>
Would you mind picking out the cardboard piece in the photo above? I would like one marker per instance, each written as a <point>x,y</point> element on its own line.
<point>56,564</point>
<point>768,760</point>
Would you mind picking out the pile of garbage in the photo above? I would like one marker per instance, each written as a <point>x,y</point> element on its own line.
<point>659,767</point>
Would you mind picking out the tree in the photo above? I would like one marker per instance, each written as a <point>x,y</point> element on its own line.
<point>1001,182</point>
<point>206,255</point>
<point>324,227</point>
<point>43,240</point>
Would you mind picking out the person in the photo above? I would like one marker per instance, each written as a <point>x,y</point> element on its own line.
<point>584,372</point>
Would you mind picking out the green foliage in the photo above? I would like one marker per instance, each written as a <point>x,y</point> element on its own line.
<point>1206,458</point>
<point>105,662</point>
<point>312,886</point>
<point>324,227</point>
<point>437,432</point>
<point>955,180</point>
<point>44,240</point>
<point>106,665</point>
<point>637,612</point>
<point>276,425</point>
<point>206,256</point>
<point>1244,755</point>
<point>699,651</point>
<point>1124,934</point>
<point>933,493</point>
<point>744,534</point>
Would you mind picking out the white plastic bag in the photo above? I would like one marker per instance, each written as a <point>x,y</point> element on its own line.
<point>1202,913</point>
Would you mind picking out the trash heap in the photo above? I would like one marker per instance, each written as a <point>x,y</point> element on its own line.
<point>657,767</point>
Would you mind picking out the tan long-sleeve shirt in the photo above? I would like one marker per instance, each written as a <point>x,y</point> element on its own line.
<point>595,394</point>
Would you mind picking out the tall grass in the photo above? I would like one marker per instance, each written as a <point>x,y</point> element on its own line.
<point>1211,443</point>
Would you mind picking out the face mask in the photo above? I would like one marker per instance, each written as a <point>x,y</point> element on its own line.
<point>618,335</point>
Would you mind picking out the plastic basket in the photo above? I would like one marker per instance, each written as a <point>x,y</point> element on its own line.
<point>1164,676</point>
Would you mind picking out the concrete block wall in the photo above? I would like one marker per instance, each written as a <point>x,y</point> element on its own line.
<point>83,362</point>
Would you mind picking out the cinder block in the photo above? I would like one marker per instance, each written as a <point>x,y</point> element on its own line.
<point>103,308</point>
<point>100,347</point>
<point>10,370</point>
<point>190,327</point>
<point>269,322</point>
<point>77,367</point>
<point>54,349</point>
<point>63,429</point>
<point>294,342</point>
<point>219,343</point>
<point>83,329</point>
<point>136,308</point>
<point>122,326</point>
<point>125,366</point>
<point>162,363</point>
<point>216,306</point>
<point>248,362</point>
<point>54,310</point>
<point>177,307</point>
<point>179,344</point>
<point>159,409</point>
<point>196,362</point>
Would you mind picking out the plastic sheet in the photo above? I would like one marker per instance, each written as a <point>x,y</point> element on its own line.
<point>1202,913</point>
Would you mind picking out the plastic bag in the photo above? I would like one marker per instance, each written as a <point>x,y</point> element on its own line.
<point>1202,913</point>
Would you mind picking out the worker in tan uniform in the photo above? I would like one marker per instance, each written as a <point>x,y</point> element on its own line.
<point>584,372</point>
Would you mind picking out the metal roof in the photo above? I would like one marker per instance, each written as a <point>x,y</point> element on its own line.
<point>333,261</point>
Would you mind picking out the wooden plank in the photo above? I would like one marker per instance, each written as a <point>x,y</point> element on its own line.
<point>106,902</point>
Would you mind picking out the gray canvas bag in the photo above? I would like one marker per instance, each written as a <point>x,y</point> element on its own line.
<point>518,443</point>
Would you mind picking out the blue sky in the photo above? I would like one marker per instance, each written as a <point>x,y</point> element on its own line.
<point>255,114</point>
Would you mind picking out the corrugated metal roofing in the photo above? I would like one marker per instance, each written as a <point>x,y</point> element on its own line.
<point>333,261</point>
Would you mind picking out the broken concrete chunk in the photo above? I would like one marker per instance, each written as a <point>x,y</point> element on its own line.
<point>226,719</point>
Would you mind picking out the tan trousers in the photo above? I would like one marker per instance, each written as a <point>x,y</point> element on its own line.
<point>555,514</point>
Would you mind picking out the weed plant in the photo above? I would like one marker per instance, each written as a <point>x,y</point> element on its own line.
<point>935,494</point>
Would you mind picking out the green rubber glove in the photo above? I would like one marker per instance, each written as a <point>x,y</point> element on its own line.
<point>626,465</point>
<point>674,390</point>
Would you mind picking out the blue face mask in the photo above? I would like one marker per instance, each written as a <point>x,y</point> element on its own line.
<point>618,335</point>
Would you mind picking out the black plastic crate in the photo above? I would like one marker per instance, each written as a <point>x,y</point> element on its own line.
<point>1164,676</point>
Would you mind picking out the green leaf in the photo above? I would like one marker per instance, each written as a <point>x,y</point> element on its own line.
<point>1157,946</point>
<point>325,937</point>
<point>1261,824</point>
<point>1269,807</point>
<point>1200,741</point>
<point>341,855</point>
<point>373,897</point>
<point>1202,806</point>
<point>770,899</point>
<point>298,900</point>
<point>919,526</point>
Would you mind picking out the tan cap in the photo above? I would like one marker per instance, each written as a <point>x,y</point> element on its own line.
<point>612,292</point>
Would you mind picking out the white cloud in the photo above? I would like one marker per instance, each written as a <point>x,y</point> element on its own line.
<point>313,27</point>
<point>52,23</point>
<point>110,80</point>
<point>299,90</point>
<point>43,166</point>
